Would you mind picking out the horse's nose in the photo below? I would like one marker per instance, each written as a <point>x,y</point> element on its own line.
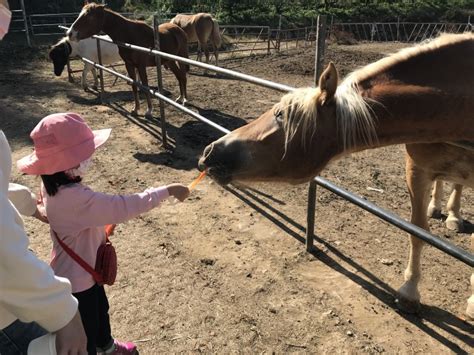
<point>208,150</point>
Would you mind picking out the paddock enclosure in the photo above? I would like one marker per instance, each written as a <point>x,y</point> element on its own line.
<point>226,271</point>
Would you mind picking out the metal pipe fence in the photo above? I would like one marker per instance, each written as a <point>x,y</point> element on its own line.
<point>442,245</point>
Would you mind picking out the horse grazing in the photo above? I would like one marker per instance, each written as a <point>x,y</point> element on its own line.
<point>454,221</point>
<point>87,48</point>
<point>95,18</point>
<point>201,28</point>
<point>397,100</point>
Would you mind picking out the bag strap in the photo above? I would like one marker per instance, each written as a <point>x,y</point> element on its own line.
<point>97,277</point>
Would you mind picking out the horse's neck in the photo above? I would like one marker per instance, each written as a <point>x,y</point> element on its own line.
<point>123,30</point>
<point>115,25</point>
<point>411,105</point>
<point>411,114</point>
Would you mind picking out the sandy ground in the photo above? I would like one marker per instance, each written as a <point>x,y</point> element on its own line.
<point>227,271</point>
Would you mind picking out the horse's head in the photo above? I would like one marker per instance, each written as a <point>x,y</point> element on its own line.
<point>88,23</point>
<point>291,142</point>
<point>59,54</point>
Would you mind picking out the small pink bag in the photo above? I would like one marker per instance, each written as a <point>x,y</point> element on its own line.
<point>105,270</point>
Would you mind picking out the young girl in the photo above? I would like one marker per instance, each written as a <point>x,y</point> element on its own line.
<point>63,147</point>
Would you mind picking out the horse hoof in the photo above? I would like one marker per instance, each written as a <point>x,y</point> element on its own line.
<point>134,113</point>
<point>455,224</point>
<point>434,212</point>
<point>181,100</point>
<point>149,115</point>
<point>408,306</point>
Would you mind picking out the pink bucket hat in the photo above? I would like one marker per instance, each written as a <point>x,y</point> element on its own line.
<point>62,141</point>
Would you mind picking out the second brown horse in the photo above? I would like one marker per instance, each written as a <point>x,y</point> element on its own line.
<point>95,18</point>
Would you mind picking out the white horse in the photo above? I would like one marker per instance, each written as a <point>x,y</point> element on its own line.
<point>87,48</point>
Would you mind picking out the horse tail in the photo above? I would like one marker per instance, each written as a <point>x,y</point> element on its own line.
<point>216,34</point>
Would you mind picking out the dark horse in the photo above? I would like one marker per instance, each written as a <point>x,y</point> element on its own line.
<point>95,18</point>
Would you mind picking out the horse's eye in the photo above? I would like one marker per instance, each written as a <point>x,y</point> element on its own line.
<point>278,115</point>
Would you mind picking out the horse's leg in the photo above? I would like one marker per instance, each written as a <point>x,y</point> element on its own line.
<point>86,69</point>
<point>96,80</point>
<point>470,301</point>
<point>454,220</point>
<point>144,80</point>
<point>180,74</point>
<point>419,183</point>
<point>206,51</point>
<point>199,54</point>
<point>133,75</point>
<point>434,208</point>
<point>216,54</point>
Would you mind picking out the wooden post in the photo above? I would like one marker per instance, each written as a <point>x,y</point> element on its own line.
<point>398,29</point>
<point>279,34</point>
<point>268,40</point>
<point>101,72</point>
<point>156,23</point>
<point>318,68</point>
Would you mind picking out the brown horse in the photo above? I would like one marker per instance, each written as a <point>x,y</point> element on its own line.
<point>420,95</point>
<point>201,28</point>
<point>96,18</point>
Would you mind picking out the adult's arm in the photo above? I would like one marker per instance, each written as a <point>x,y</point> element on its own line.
<point>29,290</point>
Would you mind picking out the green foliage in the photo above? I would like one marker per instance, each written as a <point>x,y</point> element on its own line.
<point>295,12</point>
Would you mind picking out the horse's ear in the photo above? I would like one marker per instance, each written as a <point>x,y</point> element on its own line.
<point>328,83</point>
<point>86,2</point>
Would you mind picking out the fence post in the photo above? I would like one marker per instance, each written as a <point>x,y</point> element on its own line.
<point>268,40</point>
<point>25,20</point>
<point>156,23</point>
<point>398,28</point>
<point>318,67</point>
<point>101,72</point>
<point>279,34</point>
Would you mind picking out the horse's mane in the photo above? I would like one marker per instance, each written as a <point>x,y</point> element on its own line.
<point>407,53</point>
<point>91,6</point>
<point>355,118</point>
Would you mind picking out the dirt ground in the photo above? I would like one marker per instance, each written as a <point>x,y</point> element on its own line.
<point>227,271</point>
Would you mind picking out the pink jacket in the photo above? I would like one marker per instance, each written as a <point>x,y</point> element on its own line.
<point>78,216</point>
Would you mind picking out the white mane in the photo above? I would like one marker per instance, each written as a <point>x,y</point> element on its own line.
<point>355,119</point>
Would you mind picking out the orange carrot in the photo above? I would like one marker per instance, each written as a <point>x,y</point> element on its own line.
<point>197,180</point>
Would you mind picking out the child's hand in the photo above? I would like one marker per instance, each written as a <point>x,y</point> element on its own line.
<point>179,191</point>
<point>40,214</point>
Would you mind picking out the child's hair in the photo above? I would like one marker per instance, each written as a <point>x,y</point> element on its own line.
<point>52,182</point>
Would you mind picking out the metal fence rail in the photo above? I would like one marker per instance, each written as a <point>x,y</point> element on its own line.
<point>444,246</point>
<point>396,31</point>
<point>246,38</point>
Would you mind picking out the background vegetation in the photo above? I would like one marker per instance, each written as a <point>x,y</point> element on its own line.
<point>295,12</point>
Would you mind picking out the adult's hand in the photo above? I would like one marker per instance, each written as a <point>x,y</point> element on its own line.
<point>71,339</point>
